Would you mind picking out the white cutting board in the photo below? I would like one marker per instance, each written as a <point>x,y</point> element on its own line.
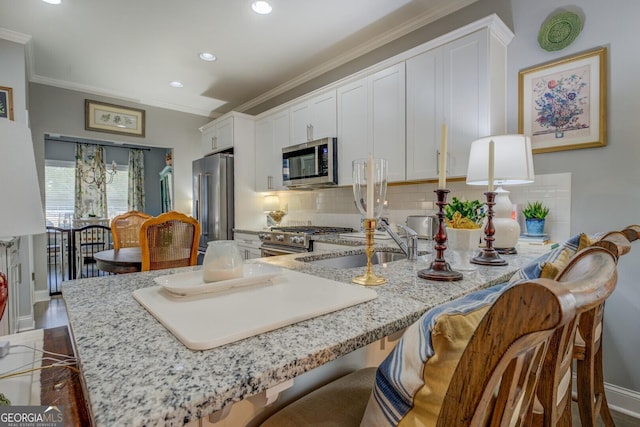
<point>206,321</point>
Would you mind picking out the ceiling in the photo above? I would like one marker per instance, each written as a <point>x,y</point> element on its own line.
<point>132,49</point>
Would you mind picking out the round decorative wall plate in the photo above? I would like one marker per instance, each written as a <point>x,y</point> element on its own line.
<point>559,31</point>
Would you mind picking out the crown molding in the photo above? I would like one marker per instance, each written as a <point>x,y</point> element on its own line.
<point>386,37</point>
<point>34,78</point>
<point>14,36</point>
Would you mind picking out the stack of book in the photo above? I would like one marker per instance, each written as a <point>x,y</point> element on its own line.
<point>541,239</point>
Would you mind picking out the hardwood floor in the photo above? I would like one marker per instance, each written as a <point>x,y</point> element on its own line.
<point>53,313</point>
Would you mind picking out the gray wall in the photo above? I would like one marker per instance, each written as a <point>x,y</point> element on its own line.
<point>153,164</point>
<point>13,75</point>
<point>604,180</point>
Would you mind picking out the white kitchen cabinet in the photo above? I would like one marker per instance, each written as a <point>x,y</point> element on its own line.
<point>314,118</point>
<point>371,119</point>
<point>424,114</point>
<point>462,83</point>
<point>248,244</point>
<point>272,133</point>
<point>218,135</point>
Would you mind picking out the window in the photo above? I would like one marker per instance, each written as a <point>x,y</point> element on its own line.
<point>59,177</point>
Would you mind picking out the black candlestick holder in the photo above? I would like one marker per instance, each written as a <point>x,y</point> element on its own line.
<point>440,269</point>
<point>488,255</point>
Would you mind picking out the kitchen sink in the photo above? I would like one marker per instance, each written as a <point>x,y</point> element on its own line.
<point>358,260</point>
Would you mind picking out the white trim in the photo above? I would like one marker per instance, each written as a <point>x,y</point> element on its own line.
<point>623,400</point>
<point>14,36</point>
<point>41,296</point>
<point>419,21</point>
<point>619,399</point>
<point>26,323</point>
<point>491,22</point>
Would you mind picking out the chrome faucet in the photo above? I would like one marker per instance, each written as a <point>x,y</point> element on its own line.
<point>410,246</point>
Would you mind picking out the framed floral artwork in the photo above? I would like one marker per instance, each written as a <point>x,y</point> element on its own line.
<point>103,117</point>
<point>562,104</point>
<point>6,102</point>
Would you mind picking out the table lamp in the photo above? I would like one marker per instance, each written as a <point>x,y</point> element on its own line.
<point>271,206</point>
<point>21,213</point>
<point>513,165</point>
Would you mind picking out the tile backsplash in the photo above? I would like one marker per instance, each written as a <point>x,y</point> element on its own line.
<point>335,206</point>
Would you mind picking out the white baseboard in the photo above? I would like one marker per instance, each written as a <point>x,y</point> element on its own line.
<point>26,323</point>
<point>40,296</point>
<point>623,400</point>
<point>620,399</point>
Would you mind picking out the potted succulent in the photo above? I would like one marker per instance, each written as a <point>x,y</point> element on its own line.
<point>535,214</point>
<point>464,219</point>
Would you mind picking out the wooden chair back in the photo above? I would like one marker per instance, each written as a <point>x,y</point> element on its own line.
<point>169,240</point>
<point>590,276</point>
<point>616,242</point>
<point>125,229</point>
<point>495,380</point>
<point>632,232</point>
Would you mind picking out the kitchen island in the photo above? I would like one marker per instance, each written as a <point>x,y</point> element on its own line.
<point>135,372</point>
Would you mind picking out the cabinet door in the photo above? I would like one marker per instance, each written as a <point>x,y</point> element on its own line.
<point>272,133</point>
<point>224,134</point>
<point>218,137</point>
<point>387,119</point>
<point>353,137</point>
<point>466,97</point>
<point>208,140</point>
<point>424,114</point>
<point>323,116</point>
<point>264,154</point>
<point>280,140</point>
<point>314,118</point>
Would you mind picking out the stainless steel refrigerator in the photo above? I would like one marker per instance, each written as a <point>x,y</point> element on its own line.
<point>213,197</point>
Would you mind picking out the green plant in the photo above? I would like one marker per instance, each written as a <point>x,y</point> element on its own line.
<point>464,213</point>
<point>535,210</point>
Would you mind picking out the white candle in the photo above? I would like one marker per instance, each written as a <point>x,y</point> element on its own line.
<point>491,166</point>
<point>370,185</point>
<point>442,177</point>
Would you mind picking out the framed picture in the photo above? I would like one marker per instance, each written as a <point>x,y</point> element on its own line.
<point>562,104</point>
<point>103,117</point>
<point>6,102</point>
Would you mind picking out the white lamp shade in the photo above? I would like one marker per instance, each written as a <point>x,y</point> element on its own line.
<point>513,160</point>
<point>271,203</point>
<point>21,210</point>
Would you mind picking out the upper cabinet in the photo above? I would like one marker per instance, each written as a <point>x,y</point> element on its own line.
<point>217,135</point>
<point>371,119</point>
<point>272,134</point>
<point>396,109</point>
<point>314,118</point>
<point>462,83</point>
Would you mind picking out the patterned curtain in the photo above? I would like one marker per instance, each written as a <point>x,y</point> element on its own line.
<point>91,190</point>
<point>135,198</point>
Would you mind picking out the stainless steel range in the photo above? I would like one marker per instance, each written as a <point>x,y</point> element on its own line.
<point>295,239</point>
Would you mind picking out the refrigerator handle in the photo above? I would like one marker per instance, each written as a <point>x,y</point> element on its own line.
<point>204,205</point>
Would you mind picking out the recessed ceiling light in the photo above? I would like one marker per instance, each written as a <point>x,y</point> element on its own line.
<point>52,1</point>
<point>206,56</point>
<point>262,7</point>
<point>176,84</point>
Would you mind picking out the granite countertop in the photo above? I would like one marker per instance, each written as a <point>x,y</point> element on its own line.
<point>137,373</point>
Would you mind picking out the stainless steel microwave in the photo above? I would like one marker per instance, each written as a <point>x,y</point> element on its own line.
<point>310,164</point>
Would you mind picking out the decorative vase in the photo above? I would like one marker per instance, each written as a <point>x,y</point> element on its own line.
<point>222,261</point>
<point>535,226</point>
<point>464,242</point>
